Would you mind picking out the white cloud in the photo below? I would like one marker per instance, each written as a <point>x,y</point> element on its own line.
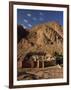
<point>29,14</point>
<point>26,21</point>
<point>30,25</point>
<point>23,26</point>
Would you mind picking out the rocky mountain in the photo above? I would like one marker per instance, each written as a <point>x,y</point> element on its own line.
<point>21,32</point>
<point>46,37</point>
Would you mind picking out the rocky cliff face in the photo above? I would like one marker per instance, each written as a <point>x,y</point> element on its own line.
<point>46,37</point>
<point>21,33</point>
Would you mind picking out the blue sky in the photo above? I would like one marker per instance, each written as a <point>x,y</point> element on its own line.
<point>30,18</point>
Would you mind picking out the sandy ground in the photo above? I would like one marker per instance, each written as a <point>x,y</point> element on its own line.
<point>40,73</point>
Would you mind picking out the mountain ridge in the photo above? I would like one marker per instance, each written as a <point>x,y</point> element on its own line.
<point>46,37</point>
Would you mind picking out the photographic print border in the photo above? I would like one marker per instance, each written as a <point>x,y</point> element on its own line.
<point>11,38</point>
